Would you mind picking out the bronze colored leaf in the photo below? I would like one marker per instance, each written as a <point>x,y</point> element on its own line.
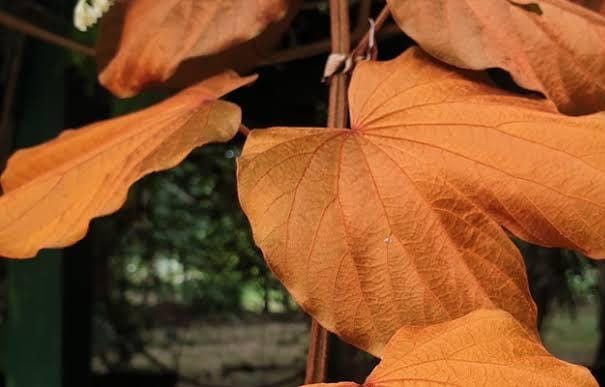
<point>397,222</point>
<point>142,42</point>
<point>483,348</point>
<point>559,51</point>
<point>53,190</point>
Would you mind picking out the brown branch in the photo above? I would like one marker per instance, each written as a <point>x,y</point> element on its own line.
<point>337,117</point>
<point>10,90</point>
<point>323,46</point>
<point>317,354</point>
<point>363,14</point>
<point>244,130</point>
<point>298,52</point>
<point>14,23</point>
<point>312,49</point>
<point>363,43</point>
<point>341,44</point>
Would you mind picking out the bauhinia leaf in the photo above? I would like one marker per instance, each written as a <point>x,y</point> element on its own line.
<point>559,51</point>
<point>156,36</point>
<point>397,221</point>
<point>483,348</point>
<point>53,190</point>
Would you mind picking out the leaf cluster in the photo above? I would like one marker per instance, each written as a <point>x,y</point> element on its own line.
<point>389,231</point>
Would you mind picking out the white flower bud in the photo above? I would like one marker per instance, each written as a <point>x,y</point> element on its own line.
<point>87,12</point>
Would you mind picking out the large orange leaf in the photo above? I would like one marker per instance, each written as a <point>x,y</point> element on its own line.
<point>53,190</point>
<point>557,48</point>
<point>397,221</point>
<point>156,36</point>
<point>484,348</point>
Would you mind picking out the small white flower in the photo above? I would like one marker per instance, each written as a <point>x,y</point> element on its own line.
<point>87,12</point>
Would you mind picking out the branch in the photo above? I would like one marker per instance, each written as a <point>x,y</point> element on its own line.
<point>337,117</point>
<point>243,129</point>
<point>298,52</point>
<point>341,44</point>
<point>363,43</point>
<point>323,46</point>
<point>317,355</point>
<point>363,14</point>
<point>8,101</point>
<point>14,23</point>
<point>312,49</point>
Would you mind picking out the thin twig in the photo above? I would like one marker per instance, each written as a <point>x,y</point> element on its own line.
<point>361,23</point>
<point>316,48</point>
<point>14,23</point>
<point>337,117</point>
<point>317,354</point>
<point>244,130</point>
<point>363,43</point>
<point>297,52</point>
<point>8,101</point>
<point>321,47</point>
<point>341,44</point>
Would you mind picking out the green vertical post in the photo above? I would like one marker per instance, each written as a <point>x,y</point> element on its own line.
<point>33,335</point>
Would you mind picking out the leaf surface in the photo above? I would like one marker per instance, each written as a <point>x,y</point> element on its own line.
<point>53,190</point>
<point>559,51</point>
<point>483,348</point>
<point>398,221</point>
<point>148,39</point>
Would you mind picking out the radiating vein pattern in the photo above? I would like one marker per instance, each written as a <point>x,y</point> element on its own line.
<point>398,221</point>
<point>483,348</point>
<point>558,51</point>
<point>53,190</point>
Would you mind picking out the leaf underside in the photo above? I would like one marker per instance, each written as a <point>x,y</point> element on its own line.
<point>559,51</point>
<point>53,190</point>
<point>484,348</point>
<point>397,222</point>
<point>142,42</point>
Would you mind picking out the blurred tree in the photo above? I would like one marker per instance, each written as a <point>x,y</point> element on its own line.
<point>558,278</point>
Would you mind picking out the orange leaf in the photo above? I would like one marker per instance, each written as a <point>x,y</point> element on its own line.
<point>397,221</point>
<point>53,190</point>
<point>153,37</point>
<point>484,348</point>
<point>557,49</point>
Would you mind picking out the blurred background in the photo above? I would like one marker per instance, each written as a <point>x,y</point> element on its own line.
<point>170,290</point>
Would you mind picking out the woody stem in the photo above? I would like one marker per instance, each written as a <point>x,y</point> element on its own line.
<point>14,23</point>
<point>337,117</point>
<point>244,130</point>
<point>378,23</point>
